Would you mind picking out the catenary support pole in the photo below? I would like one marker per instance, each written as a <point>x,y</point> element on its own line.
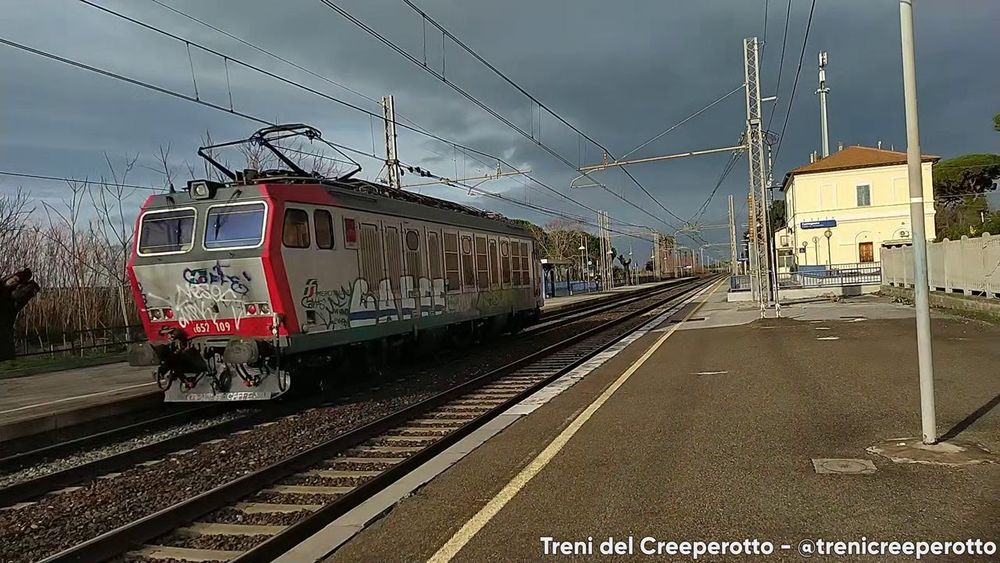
<point>920,283</point>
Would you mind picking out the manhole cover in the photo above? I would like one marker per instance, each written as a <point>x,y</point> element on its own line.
<point>843,466</point>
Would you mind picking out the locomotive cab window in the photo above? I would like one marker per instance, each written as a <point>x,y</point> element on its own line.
<point>166,232</point>
<point>323,224</point>
<point>234,226</point>
<point>295,231</point>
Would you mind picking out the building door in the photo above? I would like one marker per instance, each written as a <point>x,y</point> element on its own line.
<point>866,251</point>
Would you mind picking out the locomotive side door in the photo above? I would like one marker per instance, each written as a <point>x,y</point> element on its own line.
<point>298,252</point>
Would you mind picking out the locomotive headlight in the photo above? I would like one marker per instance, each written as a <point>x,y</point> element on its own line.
<point>199,190</point>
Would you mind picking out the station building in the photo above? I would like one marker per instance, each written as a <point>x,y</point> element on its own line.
<point>842,209</point>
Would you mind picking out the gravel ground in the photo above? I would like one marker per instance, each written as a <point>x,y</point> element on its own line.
<point>292,498</point>
<point>233,516</point>
<point>226,543</point>
<point>58,522</point>
<point>319,481</point>
<point>82,457</point>
<point>352,466</point>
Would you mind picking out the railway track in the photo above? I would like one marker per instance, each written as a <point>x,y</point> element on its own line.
<point>260,515</point>
<point>127,456</point>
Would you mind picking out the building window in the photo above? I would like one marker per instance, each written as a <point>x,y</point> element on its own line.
<point>864,195</point>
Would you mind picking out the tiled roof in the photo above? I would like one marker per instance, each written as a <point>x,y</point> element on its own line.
<point>855,157</point>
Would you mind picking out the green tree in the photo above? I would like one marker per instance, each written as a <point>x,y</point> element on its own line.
<point>776,215</point>
<point>967,217</point>
<point>966,175</point>
<point>996,122</point>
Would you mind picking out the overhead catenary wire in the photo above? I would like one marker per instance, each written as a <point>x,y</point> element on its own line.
<point>519,88</point>
<point>440,76</point>
<point>220,108</point>
<point>682,122</point>
<point>540,105</point>
<point>201,102</point>
<point>285,60</point>
<point>730,165</point>
<point>795,82</point>
<point>781,63</point>
<point>79,180</point>
<point>338,100</point>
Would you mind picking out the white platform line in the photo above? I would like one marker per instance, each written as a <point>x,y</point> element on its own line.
<point>64,399</point>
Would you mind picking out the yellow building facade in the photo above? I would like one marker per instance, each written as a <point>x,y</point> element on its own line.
<point>843,208</point>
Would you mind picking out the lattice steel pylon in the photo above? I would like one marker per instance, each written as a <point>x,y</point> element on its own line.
<point>759,240</point>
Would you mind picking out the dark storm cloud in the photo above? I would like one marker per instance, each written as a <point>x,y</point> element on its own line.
<point>621,71</point>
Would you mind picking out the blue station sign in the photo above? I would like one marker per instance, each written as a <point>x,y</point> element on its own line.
<point>825,223</point>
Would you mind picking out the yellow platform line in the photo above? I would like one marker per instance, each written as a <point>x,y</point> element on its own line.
<point>477,522</point>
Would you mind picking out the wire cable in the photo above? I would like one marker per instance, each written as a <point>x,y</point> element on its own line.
<point>683,121</point>
<point>781,63</point>
<point>495,70</point>
<point>795,83</point>
<point>321,94</point>
<point>78,180</point>
<point>440,76</point>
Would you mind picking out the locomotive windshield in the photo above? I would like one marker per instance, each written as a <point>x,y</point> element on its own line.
<point>163,232</point>
<point>235,226</point>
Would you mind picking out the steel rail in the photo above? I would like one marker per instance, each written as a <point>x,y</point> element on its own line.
<point>59,448</point>
<point>118,541</point>
<point>32,488</point>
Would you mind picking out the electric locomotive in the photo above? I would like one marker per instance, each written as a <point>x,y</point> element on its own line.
<point>273,277</point>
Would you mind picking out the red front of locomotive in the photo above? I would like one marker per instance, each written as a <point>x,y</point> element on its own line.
<point>213,295</point>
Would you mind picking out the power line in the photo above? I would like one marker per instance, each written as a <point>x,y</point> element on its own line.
<point>265,72</point>
<point>683,121</point>
<point>321,94</point>
<point>730,165</point>
<point>781,63</point>
<point>795,83</point>
<point>291,63</point>
<point>77,180</point>
<point>441,76</point>
<point>535,207</point>
<point>179,95</point>
<point>763,41</point>
<point>537,102</point>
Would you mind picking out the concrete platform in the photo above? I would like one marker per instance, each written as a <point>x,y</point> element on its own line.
<point>554,304</point>
<point>44,402</point>
<point>714,436</point>
<point>49,401</point>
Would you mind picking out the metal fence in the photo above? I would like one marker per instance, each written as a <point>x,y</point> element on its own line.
<point>739,283</point>
<point>967,265</point>
<point>834,275</point>
<point>105,340</point>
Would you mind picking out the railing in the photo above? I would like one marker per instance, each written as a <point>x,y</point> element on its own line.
<point>967,265</point>
<point>103,340</point>
<point>835,275</point>
<point>739,283</point>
